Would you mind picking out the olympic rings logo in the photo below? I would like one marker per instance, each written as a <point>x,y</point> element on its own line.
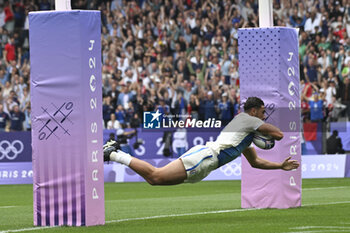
<point>16,147</point>
<point>230,169</point>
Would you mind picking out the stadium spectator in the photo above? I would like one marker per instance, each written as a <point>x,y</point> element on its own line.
<point>11,101</point>
<point>2,16</point>
<point>27,124</point>
<point>225,107</point>
<point>113,93</point>
<point>305,109</point>
<point>6,90</point>
<point>124,96</point>
<point>313,22</point>
<point>180,104</point>
<point>295,20</point>
<point>316,109</point>
<point>226,64</point>
<point>17,118</point>
<point>345,95</point>
<point>9,18</point>
<point>10,50</point>
<point>210,106</point>
<point>188,91</point>
<point>330,92</point>
<point>24,98</point>
<point>335,109</point>
<point>129,113</point>
<point>107,109</point>
<point>4,118</point>
<point>334,144</point>
<point>193,106</point>
<point>162,107</point>
<point>120,114</point>
<point>3,77</point>
<point>44,5</point>
<point>113,123</point>
<point>311,73</point>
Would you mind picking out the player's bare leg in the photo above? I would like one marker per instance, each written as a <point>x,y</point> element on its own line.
<point>171,174</point>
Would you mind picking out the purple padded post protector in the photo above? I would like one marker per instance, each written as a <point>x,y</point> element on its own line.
<point>66,97</point>
<point>269,69</point>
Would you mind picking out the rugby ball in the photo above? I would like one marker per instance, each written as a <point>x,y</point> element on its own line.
<point>263,142</point>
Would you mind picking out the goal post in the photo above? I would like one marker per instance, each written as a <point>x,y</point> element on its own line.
<point>269,69</point>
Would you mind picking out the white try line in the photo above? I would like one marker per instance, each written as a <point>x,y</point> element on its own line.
<point>179,215</point>
<point>171,215</point>
<point>28,229</point>
<point>317,227</point>
<point>328,203</point>
<point>211,212</point>
<point>318,231</point>
<point>339,187</point>
<point>6,207</point>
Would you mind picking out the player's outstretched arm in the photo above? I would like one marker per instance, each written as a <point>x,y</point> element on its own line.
<point>257,162</point>
<point>271,130</point>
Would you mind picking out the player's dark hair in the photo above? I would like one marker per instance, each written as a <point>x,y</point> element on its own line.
<point>253,102</point>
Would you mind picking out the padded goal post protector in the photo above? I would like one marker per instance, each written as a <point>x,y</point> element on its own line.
<point>269,69</point>
<point>66,98</point>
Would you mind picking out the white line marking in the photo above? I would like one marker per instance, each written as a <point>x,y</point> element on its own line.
<point>329,203</point>
<point>178,215</point>
<point>322,227</point>
<point>6,207</point>
<point>28,229</point>
<point>339,187</point>
<point>210,212</point>
<point>317,231</point>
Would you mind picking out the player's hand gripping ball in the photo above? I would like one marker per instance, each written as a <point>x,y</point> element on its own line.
<point>263,141</point>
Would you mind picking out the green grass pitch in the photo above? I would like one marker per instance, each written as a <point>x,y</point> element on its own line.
<point>204,207</point>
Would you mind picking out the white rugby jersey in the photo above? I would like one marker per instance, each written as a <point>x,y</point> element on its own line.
<point>235,137</point>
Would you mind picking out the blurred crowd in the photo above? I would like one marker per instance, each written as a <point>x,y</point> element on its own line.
<point>181,57</point>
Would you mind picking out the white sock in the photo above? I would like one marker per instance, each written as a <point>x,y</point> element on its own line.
<point>121,157</point>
